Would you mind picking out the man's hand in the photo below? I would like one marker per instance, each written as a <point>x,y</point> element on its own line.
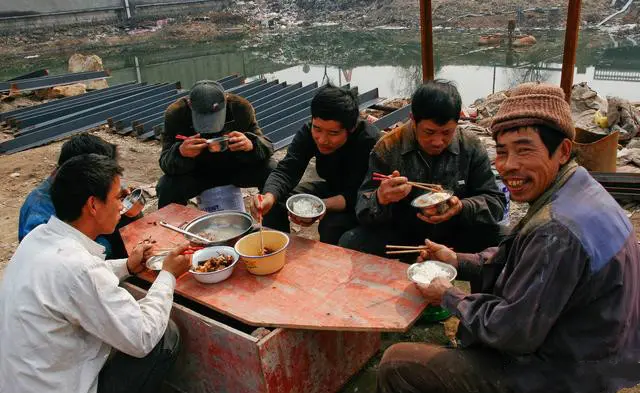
<point>393,190</point>
<point>193,146</point>
<point>438,252</point>
<point>239,142</point>
<point>431,215</point>
<point>434,292</point>
<point>135,262</point>
<point>262,209</point>
<point>175,263</point>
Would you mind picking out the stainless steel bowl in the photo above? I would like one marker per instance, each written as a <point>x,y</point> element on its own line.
<point>133,204</point>
<point>422,202</point>
<point>226,226</point>
<point>412,270</point>
<point>308,219</point>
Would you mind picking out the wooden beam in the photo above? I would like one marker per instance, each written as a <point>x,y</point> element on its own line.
<point>426,30</point>
<point>570,47</point>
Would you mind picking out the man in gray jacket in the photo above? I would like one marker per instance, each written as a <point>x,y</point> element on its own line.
<point>554,308</point>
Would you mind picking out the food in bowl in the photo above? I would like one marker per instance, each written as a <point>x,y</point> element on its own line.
<point>274,245</point>
<point>306,208</point>
<point>267,251</point>
<point>425,272</point>
<point>209,235</point>
<point>214,264</point>
<point>436,199</point>
<point>431,199</point>
<point>428,272</point>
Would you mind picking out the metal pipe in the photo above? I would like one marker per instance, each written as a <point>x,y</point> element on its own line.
<point>126,7</point>
<point>570,47</point>
<point>426,30</point>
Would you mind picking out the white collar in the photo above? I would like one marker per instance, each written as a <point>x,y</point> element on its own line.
<point>67,230</point>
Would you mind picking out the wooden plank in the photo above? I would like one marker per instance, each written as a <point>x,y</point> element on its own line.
<point>321,287</point>
<point>307,361</point>
<point>213,357</point>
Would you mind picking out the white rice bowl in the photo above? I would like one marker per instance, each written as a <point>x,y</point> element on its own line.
<point>424,272</point>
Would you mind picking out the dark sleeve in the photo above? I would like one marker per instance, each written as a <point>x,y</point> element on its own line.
<point>246,123</point>
<point>171,161</point>
<point>486,203</point>
<point>470,265</point>
<point>357,171</point>
<point>368,210</point>
<point>289,171</point>
<point>549,264</point>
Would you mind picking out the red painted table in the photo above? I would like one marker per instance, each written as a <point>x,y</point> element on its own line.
<point>321,287</point>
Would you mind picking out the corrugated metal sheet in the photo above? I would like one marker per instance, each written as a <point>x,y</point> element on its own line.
<point>138,109</point>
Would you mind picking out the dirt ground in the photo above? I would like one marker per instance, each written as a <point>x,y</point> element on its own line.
<point>21,172</point>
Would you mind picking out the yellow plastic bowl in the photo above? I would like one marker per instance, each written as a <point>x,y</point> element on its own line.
<point>249,249</point>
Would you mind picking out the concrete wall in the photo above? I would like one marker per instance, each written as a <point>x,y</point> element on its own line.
<point>25,14</point>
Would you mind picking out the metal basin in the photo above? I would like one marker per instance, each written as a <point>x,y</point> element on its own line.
<point>225,226</point>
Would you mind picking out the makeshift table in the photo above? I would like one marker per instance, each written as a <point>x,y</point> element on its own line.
<point>328,305</point>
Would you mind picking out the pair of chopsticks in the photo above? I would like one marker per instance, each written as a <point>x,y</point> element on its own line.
<point>188,251</point>
<point>404,249</point>
<point>424,186</point>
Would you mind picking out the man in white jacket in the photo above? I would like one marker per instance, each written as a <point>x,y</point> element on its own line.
<point>66,325</point>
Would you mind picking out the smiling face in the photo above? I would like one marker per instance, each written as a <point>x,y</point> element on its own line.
<point>432,137</point>
<point>525,165</point>
<point>329,135</point>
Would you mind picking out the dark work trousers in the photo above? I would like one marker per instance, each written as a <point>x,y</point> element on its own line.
<point>180,188</point>
<point>373,239</point>
<point>123,373</point>
<point>426,368</point>
<point>332,225</point>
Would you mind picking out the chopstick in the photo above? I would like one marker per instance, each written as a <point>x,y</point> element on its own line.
<point>188,251</point>
<point>424,186</point>
<point>405,251</point>
<point>407,247</point>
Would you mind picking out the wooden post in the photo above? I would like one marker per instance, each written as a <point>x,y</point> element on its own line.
<point>426,29</point>
<point>570,47</point>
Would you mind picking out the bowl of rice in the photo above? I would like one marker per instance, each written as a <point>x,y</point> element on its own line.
<point>435,199</point>
<point>306,208</point>
<point>424,272</point>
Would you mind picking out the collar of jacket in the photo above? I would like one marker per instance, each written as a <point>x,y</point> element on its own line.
<point>410,143</point>
<point>66,230</point>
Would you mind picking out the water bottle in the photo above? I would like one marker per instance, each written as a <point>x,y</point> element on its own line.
<point>502,187</point>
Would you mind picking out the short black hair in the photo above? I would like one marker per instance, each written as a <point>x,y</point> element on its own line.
<point>86,144</point>
<point>551,138</point>
<point>80,178</point>
<point>334,103</point>
<point>437,100</point>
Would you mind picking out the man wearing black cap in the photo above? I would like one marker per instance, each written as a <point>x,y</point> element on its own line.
<point>192,166</point>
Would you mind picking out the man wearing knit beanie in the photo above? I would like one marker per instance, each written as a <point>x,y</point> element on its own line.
<point>556,307</point>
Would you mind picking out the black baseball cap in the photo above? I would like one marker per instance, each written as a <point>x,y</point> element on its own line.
<point>208,106</point>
